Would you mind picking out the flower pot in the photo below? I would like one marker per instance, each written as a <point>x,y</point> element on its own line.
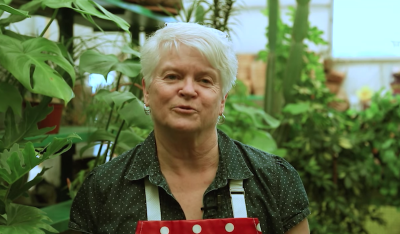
<point>52,119</point>
<point>395,85</point>
<point>172,6</point>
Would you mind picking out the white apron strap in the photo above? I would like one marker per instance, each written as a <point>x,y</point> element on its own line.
<point>237,196</point>
<point>235,188</point>
<point>152,201</point>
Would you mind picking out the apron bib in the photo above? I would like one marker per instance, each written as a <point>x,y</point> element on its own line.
<point>239,224</point>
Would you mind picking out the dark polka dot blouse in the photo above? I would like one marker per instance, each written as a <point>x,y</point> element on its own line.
<point>112,198</point>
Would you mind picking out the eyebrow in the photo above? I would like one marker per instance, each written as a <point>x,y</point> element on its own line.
<point>208,71</point>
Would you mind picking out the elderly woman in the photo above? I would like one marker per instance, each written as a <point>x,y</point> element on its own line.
<point>187,176</point>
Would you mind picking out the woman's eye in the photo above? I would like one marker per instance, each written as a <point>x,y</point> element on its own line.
<point>206,81</point>
<point>171,77</point>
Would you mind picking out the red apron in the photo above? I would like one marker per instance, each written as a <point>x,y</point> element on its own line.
<point>240,224</point>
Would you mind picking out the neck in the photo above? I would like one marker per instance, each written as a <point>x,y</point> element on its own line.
<point>187,153</point>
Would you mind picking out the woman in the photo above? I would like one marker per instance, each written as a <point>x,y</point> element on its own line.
<point>187,169</point>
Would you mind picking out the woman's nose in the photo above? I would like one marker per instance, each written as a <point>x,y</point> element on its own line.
<point>188,88</point>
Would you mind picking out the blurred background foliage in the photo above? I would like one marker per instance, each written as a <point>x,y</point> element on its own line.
<point>348,161</point>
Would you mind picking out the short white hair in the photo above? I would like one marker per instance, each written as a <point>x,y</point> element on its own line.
<point>213,44</point>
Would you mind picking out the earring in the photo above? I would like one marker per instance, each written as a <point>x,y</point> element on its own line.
<point>221,119</point>
<point>146,109</point>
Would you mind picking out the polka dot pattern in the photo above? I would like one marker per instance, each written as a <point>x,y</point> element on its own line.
<point>112,198</point>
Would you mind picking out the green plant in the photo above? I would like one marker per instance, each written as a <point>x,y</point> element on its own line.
<point>17,157</point>
<point>295,65</point>
<point>36,63</point>
<point>119,114</point>
<point>41,67</point>
<point>248,123</point>
<point>348,161</point>
<point>270,92</point>
<point>216,14</point>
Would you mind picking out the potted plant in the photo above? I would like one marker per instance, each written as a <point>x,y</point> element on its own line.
<point>118,114</point>
<point>172,6</point>
<point>39,66</point>
<point>36,64</point>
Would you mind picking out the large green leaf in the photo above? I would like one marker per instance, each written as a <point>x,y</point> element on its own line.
<point>134,115</point>
<point>17,36</point>
<point>128,68</point>
<point>106,96</point>
<point>101,135</point>
<point>88,146</point>
<point>94,62</point>
<point>259,117</point>
<point>87,8</point>
<point>13,11</point>
<point>118,98</point>
<point>263,141</point>
<point>35,54</point>
<point>21,186</point>
<point>21,161</point>
<point>26,220</point>
<point>90,8</point>
<point>122,97</point>
<point>3,221</point>
<point>30,7</point>
<point>56,3</point>
<point>129,139</point>
<point>5,2</point>
<point>19,167</point>
<point>128,50</point>
<point>16,132</point>
<point>297,108</point>
<point>59,146</point>
<point>14,100</point>
<point>6,154</point>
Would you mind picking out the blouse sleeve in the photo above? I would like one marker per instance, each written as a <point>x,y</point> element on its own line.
<point>84,206</point>
<point>293,201</point>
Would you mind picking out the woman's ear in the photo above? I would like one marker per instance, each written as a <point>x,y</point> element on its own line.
<point>223,101</point>
<point>145,93</point>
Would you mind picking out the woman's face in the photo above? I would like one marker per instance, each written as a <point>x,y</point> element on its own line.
<point>185,94</point>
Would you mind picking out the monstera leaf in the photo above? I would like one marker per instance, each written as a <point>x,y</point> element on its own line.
<point>95,62</point>
<point>21,58</point>
<point>118,98</point>
<point>134,115</point>
<point>25,219</point>
<point>87,8</point>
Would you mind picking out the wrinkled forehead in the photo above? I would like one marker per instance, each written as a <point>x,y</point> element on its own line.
<point>170,50</point>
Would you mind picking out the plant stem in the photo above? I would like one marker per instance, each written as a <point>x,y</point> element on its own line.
<point>116,139</point>
<point>49,23</point>
<point>229,5</point>
<point>216,14</point>
<point>107,126</point>
<point>105,153</point>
